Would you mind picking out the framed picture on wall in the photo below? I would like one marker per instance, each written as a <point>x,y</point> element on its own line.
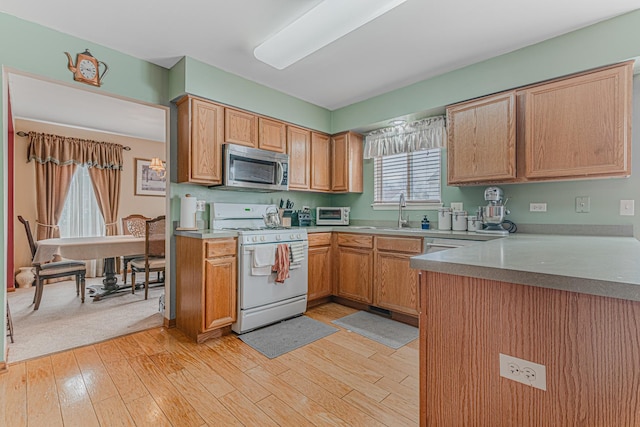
<point>147,181</point>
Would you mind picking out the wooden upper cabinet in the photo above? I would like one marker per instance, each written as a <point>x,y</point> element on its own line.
<point>200,136</point>
<point>299,150</point>
<point>482,140</point>
<point>272,135</point>
<point>346,158</point>
<point>572,127</point>
<point>240,127</point>
<point>577,127</point>
<point>320,162</point>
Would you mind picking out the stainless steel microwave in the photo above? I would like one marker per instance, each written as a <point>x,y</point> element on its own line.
<point>245,168</point>
<point>332,216</point>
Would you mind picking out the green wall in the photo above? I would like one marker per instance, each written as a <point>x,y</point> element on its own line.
<point>194,77</point>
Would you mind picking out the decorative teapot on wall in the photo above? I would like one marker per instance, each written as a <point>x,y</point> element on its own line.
<point>86,68</point>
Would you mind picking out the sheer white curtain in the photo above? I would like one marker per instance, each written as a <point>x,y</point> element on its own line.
<point>424,134</point>
<point>81,216</point>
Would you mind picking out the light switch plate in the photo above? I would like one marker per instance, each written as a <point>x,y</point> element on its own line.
<point>457,206</point>
<point>583,204</point>
<point>537,207</point>
<point>627,207</point>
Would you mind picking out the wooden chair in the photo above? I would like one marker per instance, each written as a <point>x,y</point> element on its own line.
<point>53,270</point>
<point>153,254</point>
<point>133,225</point>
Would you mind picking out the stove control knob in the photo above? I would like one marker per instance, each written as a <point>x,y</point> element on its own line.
<point>292,236</point>
<point>299,236</point>
<point>255,238</point>
<point>262,238</point>
<point>278,237</point>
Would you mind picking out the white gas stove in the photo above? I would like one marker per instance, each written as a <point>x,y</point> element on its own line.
<point>262,300</point>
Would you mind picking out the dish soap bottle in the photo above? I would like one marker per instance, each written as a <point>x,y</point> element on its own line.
<point>425,223</point>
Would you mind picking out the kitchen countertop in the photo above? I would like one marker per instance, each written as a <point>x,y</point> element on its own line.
<point>415,232</point>
<point>604,266</point>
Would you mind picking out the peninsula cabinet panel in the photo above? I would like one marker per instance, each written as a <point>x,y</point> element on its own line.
<point>240,127</point>
<point>272,135</point>
<point>590,346</point>
<point>346,160</point>
<point>482,140</point>
<point>320,162</point>
<point>200,136</point>
<point>299,150</point>
<point>578,127</point>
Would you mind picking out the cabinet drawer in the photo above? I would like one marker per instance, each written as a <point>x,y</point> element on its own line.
<point>398,244</point>
<point>355,240</point>
<point>220,247</point>
<point>319,239</point>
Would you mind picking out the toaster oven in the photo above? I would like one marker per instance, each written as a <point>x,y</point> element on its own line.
<point>332,216</point>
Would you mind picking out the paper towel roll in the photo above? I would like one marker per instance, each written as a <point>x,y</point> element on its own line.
<point>188,211</point>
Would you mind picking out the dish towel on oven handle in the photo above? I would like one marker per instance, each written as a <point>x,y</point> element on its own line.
<point>262,260</point>
<point>281,266</point>
<point>296,251</point>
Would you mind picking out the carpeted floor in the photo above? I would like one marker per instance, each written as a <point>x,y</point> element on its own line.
<point>62,322</point>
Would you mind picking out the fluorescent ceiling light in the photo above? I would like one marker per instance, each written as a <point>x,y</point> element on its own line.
<point>325,23</point>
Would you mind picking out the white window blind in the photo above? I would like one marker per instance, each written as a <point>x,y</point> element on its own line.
<point>417,174</point>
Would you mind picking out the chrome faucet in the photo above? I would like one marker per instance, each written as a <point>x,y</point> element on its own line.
<point>401,204</point>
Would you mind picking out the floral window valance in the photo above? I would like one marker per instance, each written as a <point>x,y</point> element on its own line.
<point>420,135</point>
<point>61,150</point>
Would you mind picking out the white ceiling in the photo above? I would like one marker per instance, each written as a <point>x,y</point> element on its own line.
<point>417,40</point>
<point>62,104</point>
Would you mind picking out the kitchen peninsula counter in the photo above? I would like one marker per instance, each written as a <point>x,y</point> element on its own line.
<point>604,266</point>
<point>579,318</point>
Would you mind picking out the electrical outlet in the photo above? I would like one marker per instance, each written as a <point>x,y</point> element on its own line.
<point>457,206</point>
<point>537,207</point>
<point>627,207</point>
<point>523,371</point>
<point>583,204</point>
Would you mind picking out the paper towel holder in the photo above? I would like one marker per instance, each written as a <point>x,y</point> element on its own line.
<point>194,217</point>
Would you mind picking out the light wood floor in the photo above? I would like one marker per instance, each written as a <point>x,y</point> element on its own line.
<point>160,378</point>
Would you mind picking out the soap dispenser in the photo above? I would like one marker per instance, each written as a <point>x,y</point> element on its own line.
<point>425,223</point>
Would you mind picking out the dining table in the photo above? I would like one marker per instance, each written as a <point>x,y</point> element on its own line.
<point>88,248</point>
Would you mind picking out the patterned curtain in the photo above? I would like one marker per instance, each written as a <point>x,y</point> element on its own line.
<point>56,158</point>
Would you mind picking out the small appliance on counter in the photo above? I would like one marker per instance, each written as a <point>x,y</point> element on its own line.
<point>492,215</point>
<point>332,216</point>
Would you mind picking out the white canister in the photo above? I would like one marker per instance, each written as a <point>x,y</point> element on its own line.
<point>444,219</point>
<point>473,223</point>
<point>459,221</point>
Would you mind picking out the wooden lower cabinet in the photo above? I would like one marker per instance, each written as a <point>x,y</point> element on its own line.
<point>589,345</point>
<point>354,256</point>
<point>320,266</point>
<point>395,283</point>
<point>206,286</point>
